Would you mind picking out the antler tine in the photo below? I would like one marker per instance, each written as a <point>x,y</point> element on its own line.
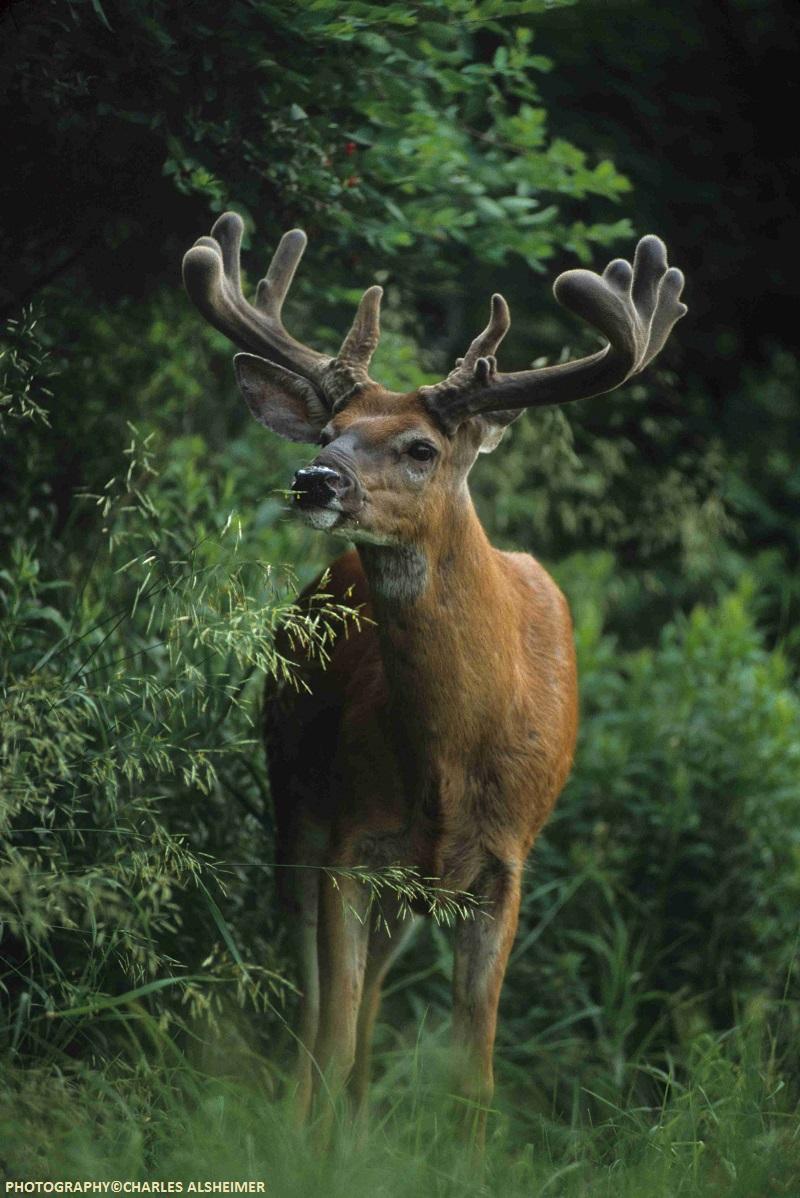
<point>361,342</point>
<point>485,345</point>
<point>349,369</point>
<point>227,231</point>
<point>634,308</point>
<point>280,274</point>
<point>668,312</point>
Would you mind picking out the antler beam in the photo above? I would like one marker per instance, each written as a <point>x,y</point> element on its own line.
<point>212,277</point>
<point>634,307</point>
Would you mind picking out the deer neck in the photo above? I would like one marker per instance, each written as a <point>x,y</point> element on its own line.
<point>435,604</point>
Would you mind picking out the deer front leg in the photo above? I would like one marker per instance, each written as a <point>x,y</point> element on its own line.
<point>482,948</point>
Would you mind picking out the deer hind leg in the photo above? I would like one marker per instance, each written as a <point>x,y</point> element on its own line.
<point>304,931</point>
<point>482,947</point>
<point>300,849</point>
<point>387,940</point>
<point>343,940</point>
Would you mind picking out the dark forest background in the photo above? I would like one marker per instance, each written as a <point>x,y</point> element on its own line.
<point>445,151</point>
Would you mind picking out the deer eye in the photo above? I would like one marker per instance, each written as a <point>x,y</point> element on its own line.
<point>421,451</point>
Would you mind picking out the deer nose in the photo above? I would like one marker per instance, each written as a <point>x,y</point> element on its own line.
<point>316,486</point>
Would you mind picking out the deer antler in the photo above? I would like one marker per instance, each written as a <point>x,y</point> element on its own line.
<point>633,307</point>
<point>211,276</point>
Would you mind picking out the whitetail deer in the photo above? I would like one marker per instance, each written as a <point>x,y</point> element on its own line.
<point>441,733</point>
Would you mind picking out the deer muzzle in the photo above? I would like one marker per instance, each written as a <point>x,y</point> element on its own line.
<point>319,486</point>
<point>316,486</point>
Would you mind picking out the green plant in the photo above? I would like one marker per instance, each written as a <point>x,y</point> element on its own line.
<point>726,1129</point>
<point>128,679</point>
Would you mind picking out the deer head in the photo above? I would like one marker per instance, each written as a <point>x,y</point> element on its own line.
<point>391,464</point>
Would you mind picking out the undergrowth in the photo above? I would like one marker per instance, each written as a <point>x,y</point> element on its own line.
<point>725,1125</point>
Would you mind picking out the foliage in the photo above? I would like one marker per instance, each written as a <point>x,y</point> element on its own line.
<point>622,478</point>
<point>384,126</point>
<point>677,838</point>
<point>25,370</point>
<point>127,732</point>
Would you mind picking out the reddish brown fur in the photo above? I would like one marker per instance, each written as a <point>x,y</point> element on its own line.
<point>438,737</point>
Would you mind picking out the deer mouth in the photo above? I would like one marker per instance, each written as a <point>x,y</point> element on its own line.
<point>328,514</point>
<point>324,517</point>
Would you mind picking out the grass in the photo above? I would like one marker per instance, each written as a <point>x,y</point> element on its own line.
<point>728,1127</point>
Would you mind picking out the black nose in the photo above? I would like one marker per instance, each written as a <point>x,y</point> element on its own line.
<point>316,486</point>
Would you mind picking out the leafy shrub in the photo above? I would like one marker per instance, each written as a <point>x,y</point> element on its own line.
<point>395,128</point>
<point>667,882</point>
<point>131,658</point>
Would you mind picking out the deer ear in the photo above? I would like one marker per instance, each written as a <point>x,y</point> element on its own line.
<point>280,399</point>
<point>493,426</point>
